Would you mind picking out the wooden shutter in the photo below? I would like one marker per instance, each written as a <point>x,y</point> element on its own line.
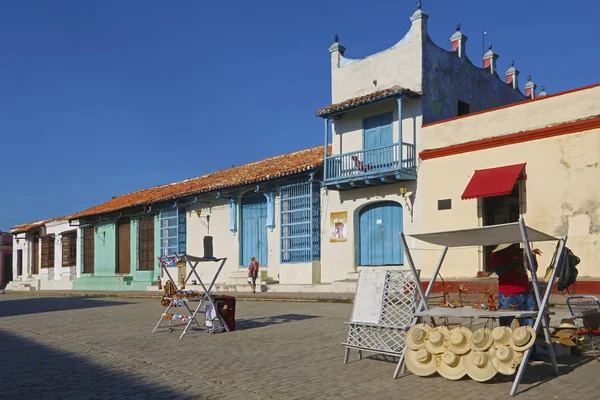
<point>124,266</point>
<point>146,244</point>
<point>88,250</point>
<point>47,251</point>
<point>69,249</point>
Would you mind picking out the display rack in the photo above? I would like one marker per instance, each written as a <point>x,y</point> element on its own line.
<point>184,298</point>
<point>383,310</point>
<point>516,232</point>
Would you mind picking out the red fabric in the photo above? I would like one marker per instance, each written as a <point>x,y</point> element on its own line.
<point>492,182</point>
<point>516,281</point>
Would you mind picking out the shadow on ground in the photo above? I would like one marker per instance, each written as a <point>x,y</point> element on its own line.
<point>15,307</point>
<point>251,323</point>
<point>535,374</point>
<point>33,370</point>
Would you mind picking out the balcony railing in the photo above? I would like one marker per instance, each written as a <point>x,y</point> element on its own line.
<point>372,162</point>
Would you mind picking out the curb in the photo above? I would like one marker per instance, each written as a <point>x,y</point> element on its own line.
<point>152,295</point>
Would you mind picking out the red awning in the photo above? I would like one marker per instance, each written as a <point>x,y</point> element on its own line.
<point>492,182</point>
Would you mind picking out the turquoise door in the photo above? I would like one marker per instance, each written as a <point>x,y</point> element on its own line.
<point>377,135</point>
<point>380,225</point>
<point>254,229</point>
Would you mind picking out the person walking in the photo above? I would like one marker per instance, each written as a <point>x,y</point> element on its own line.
<point>253,273</point>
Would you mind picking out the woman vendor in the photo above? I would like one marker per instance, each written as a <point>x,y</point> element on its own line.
<point>507,261</point>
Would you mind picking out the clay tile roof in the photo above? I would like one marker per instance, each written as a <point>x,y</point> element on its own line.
<point>367,98</point>
<point>259,171</point>
<point>34,225</point>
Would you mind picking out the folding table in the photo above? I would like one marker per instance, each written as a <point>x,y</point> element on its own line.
<point>184,298</point>
<point>487,236</point>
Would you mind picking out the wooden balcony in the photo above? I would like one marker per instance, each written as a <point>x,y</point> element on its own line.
<point>393,163</point>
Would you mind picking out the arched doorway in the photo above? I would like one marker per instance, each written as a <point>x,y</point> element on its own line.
<point>253,235</point>
<point>379,239</point>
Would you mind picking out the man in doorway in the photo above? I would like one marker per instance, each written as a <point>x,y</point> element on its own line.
<point>508,262</point>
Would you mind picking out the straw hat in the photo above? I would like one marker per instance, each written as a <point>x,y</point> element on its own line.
<point>481,340</point>
<point>564,337</point>
<point>451,366</point>
<point>522,338</point>
<point>501,336</point>
<point>502,247</point>
<point>437,339</point>
<point>420,362</point>
<point>458,340</point>
<point>567,323</point>
<point>505,359</point>
<point>479,366</point>
<point>416,335</point>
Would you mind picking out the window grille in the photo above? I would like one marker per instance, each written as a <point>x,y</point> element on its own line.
<point>146,243</point>
<point>47,251</point>
<point>300,222</point>
<point>172,232</point>
<point>69,249</point>
<point>88,250</point>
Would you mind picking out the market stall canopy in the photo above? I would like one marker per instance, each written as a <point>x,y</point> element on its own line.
<point>492,182</point>
<point>483,236</point>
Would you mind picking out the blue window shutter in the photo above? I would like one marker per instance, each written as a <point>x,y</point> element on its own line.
<point>233,215</point>
<point>181,234</point>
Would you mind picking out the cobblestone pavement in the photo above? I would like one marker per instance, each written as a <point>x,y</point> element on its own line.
<point>86,348</point>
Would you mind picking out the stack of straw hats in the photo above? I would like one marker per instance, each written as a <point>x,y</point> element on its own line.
<point>459,352</point>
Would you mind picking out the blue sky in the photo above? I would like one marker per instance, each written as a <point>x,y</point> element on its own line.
<point>104,98</point>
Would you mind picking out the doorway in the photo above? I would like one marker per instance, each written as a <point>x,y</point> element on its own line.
<point>35,266</point>
<point>254,230</point>
<point>7,275</point>
<point>379,227</point>
<point>500,210</point>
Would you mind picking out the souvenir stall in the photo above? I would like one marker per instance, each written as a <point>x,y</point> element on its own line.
<point>219,313</point>
<point>481,354</point>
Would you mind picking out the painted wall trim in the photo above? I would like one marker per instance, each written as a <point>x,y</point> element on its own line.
<point>513,138</point>
<point>233,215</point>
<point>512,105</point>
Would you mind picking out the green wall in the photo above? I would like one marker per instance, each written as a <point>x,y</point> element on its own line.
<point>105,250</point>
<point>105,261</point>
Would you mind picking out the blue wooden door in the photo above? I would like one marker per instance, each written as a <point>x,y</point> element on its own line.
<point>254,230</point>
<point>379,227</point>
<point>378,133</point>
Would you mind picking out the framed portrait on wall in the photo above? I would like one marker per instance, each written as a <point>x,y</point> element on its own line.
<point>338,226</point>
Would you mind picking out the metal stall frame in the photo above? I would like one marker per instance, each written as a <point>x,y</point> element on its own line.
<point>193,262</point>
<point>516,232</point>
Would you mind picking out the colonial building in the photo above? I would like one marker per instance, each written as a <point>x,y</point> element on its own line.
<point>375,129</point>
<point>45,255</point>
<point>268,209</point>
<point>539,160</point>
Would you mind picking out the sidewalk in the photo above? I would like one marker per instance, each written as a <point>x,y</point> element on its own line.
<point>555,299</point>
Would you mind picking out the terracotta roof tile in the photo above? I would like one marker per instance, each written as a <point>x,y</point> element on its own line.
<point>368,98</point>
<point>259,171</point>
<point>34,225</point>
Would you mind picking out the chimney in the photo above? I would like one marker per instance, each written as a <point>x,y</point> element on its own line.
<point>489,61</point>
<point>512,76</point>
<point>530,88</point>
<point>337,52</point>
<point>419,20</point>
<point>459,42</point>
<point>543,92</point>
